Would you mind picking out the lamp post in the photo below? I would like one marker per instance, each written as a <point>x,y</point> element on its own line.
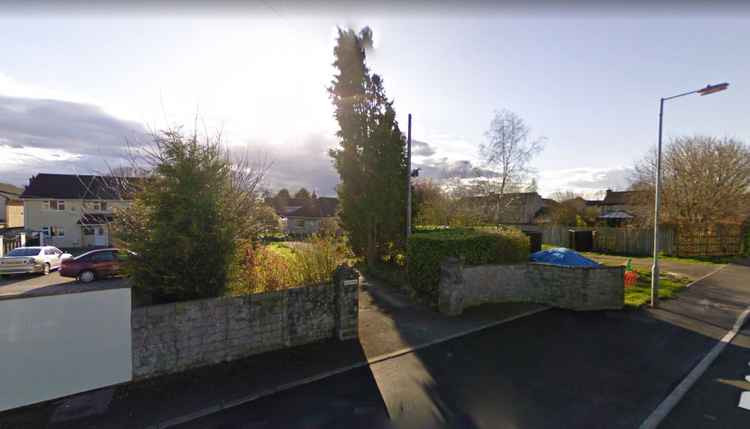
<point>709,89</point>
<point>409,174</point>
<point>408,181</point>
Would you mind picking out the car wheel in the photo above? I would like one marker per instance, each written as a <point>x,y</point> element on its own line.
<point>86,276</point>
<point>46,269</point>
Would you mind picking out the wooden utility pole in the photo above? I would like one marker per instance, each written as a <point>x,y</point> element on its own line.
<point>408,180</point>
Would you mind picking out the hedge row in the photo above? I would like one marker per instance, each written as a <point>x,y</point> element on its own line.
<point>426,250</point>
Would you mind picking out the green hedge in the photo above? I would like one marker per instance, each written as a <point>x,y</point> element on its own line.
<point>426,250</point>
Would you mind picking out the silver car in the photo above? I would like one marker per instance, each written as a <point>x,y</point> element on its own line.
<point>42,259</point>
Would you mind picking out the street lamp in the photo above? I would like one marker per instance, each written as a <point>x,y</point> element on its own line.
<point>709,89</point>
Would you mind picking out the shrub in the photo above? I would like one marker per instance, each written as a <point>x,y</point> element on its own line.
<point>427,250</point>
<point>188,218</point>
<point>316,260</point>
<point>266,268</point>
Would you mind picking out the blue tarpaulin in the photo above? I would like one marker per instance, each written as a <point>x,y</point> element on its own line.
<point>563,256</point>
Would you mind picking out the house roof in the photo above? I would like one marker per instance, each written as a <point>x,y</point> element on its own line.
<point>615,198</point>
<point>619,214</point>
<point>320,207</point>
<point>519,198</point>
<point>542,212</point>
<point>74,186</point>
<point>9,191</point>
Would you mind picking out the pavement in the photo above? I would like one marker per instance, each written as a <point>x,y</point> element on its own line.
<point>713,402</point>
<point>553,369</point>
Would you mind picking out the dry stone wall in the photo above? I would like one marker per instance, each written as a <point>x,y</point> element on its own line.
<point>175,337</point>
<point>574,288</point>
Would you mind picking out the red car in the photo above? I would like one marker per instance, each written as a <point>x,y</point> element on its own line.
<point>96,264</point>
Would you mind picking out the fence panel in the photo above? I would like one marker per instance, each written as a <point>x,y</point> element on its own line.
<point>711,240</point>
<point>630,241</point>
<point>556,235</point>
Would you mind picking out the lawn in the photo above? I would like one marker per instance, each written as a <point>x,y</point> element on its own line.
<point>640,293</point>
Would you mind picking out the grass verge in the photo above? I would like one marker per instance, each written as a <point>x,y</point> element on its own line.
<point>640,293</point>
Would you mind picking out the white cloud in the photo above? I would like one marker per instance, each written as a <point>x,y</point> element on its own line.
<point>584,180</point>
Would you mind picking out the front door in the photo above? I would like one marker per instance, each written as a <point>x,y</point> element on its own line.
<point>100,239</point>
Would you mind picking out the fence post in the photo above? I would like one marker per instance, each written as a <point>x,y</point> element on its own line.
<point>23,239</point>
<point>2,247</point>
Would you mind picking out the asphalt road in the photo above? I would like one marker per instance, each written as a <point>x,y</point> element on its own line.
<point>713,401</point>
<point>21,285</point>
<point>554,369</point>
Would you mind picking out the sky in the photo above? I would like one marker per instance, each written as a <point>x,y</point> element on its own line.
<point>78,87</point>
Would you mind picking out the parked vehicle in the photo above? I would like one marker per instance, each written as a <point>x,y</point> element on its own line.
<point>38,259</point>
<point>96,264</point>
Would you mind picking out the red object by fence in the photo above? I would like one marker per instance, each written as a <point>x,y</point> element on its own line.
<point>631,277</point>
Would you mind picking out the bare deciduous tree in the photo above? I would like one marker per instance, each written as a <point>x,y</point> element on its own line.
<point>509,150</point>
<point>704,180</point>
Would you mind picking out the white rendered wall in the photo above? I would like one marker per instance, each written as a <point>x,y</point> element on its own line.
<point>52,346</point>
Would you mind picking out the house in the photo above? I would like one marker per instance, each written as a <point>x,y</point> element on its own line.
<point>11,206</point>
<point>304,216</point>
<point>73,210</point>
<point>546,214</point>
<point>512,208</point>
<point>619,208</point>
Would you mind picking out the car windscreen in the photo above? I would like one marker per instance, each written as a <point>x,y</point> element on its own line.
<point>28,251</point>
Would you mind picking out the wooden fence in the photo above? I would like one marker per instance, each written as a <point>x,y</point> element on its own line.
<point>711,240</point>
<point>630,241</point>
<point>626,241</point>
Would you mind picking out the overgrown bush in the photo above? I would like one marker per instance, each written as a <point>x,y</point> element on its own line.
<point>187,218</point>
<point>265,269</point>
<point>426,250</point>
<point>316,260</point>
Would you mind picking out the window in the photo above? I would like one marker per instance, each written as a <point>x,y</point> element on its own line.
<point>49,252</point>
<point>98,206</point>
<point>24,251</point>
<point>102,257</point>
<point>299,223</point>
<point>87,230</point>
<point>58,205</point>
<point>56,231</point>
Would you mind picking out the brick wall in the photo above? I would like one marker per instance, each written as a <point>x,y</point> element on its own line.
<point>575,288</point>
<point>175,337</point>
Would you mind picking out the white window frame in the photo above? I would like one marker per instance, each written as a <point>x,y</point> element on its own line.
<point>59,205</point>
<point>53,231</point>
<point>97,206</point>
